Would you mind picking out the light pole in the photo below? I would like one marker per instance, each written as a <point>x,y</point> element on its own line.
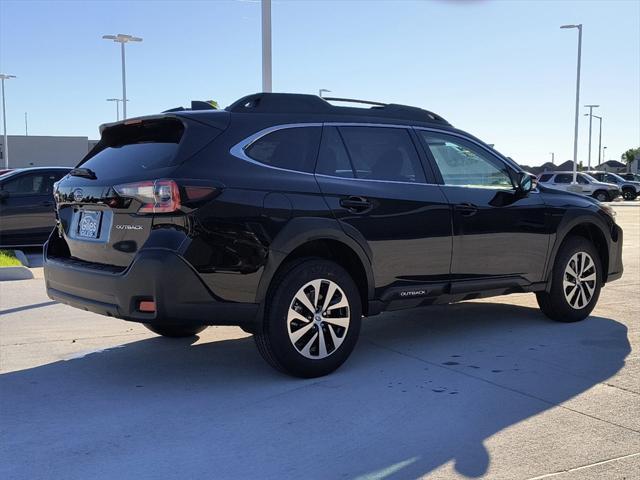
<point>117,100</point>
<point>590,115</point>
<point>122,39</point>
<point>266,46</point>
<point>599,137</point>
<point>604,154</point>
<point>553,157</point>
<point>5,144</point>
<point>323,90</point>
<point>575,133</point>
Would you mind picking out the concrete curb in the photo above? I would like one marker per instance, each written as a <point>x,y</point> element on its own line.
<point>21,257</point>
<point>15,273</point>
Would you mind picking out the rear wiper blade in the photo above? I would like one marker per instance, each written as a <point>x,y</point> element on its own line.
<point>83,172</point>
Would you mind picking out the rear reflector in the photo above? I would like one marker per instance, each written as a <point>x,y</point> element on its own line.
<point>148,306</point>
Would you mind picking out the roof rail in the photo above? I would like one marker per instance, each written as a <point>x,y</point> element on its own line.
<point>303,103</point>
<point>352,100</point>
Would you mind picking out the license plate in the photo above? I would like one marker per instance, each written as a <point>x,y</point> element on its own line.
<point>89,225</point>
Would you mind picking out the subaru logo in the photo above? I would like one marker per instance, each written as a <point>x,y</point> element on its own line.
<point>78,195</point>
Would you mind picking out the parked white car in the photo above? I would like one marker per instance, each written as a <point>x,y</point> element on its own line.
<point>587,185</point>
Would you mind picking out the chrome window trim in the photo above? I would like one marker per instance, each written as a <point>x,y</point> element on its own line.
<point>375,180</point>
<point>361,124</point>
<point>238,150</point>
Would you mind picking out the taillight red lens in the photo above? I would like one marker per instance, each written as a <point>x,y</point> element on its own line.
<point>156,196</point>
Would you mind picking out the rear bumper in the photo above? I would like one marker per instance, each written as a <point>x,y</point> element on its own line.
<point>155,274</point>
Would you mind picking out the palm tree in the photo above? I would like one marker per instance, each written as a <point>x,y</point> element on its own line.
<point>628,157</point>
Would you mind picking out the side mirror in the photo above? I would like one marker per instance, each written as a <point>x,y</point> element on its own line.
<point>526,183</point>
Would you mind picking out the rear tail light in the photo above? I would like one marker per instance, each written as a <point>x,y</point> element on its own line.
<point>156,196</point>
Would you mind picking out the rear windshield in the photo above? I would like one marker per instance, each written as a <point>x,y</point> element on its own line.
<point>145,156</point>
<point>144,146</point>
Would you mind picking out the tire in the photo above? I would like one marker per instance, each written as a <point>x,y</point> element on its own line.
<point>292,337</point>
<point>581,298</point>
<point>629,194</point>
<point>601,196</point>
<point>176,331</point>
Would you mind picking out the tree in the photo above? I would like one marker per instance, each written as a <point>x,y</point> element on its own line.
<point>214,104</point>
<point>628,156</point>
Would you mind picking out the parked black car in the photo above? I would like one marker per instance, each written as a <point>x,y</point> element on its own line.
<point>27,213</point>
<point>634,177</point>
<point>293,218</point>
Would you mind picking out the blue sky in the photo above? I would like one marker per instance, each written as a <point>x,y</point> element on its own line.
<point>501,70</point>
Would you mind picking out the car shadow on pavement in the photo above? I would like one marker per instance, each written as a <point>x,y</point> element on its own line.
<point>423,388</point>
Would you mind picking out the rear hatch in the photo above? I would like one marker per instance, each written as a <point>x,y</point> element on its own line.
<point>108,205</point>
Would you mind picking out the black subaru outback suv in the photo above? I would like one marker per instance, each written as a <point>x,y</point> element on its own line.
<point>293,218</point>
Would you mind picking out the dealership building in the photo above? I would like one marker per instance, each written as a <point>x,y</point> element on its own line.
<point>44,151</point>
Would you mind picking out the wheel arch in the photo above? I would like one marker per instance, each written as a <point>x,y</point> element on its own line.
<point>587,227</point>
<point>319,238</point>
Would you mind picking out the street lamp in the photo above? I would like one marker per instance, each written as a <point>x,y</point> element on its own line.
<point>117,100</point>
<point>323,90</point>
<point>575,133</point>
<point>5,144</point>
<point>599,137</point>
<point>604,154</point>
<point>266,46</point>
<point>590,115</point>
<point>122,39</point>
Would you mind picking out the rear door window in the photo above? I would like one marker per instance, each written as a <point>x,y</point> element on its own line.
<point>40,183</point>
<point>382,153</point>
<point>563,178</point>
<point>294,148</point>
<point>333,159</point>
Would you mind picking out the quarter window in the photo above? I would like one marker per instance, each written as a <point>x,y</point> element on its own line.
<point>382,153</point>
<point>462,164</point>
<point>545,177</point>
<point>292,148</point>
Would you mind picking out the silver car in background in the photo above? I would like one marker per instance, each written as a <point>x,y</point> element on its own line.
<point>587,185</point>
<point>630,188</point>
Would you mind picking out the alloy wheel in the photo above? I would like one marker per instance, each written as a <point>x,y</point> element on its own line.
<point>579,283</point>
<point>318,319</point>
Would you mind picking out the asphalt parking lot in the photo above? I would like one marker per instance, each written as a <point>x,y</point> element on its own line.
<point>487,389</point>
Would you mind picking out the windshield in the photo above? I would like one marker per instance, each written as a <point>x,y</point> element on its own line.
<point>617,177</point>
<point>10,173</point>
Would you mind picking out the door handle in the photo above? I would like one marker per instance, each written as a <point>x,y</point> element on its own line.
<point>466,209</point>
<point>355,204</point>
